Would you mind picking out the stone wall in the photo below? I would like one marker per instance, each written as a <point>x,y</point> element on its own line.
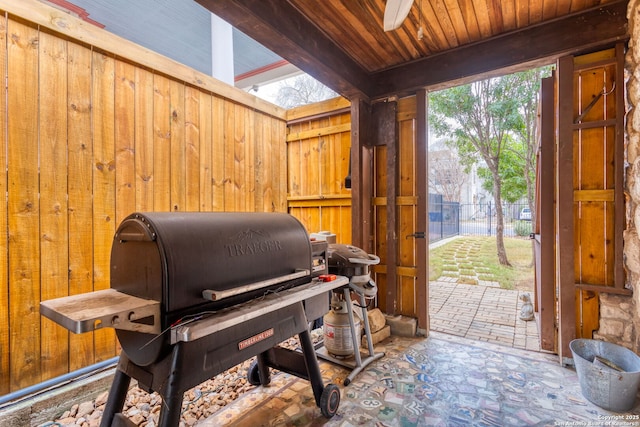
<point>619,315</point>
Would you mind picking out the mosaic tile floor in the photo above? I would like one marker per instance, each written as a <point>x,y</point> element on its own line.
<point>442,380</point>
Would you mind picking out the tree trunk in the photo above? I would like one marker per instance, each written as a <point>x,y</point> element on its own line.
<point>502,253</point>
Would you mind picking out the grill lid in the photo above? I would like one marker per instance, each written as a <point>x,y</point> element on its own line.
<point>175,257</point>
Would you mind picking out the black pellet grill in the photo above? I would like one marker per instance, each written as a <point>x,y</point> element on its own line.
<point>193,294</point>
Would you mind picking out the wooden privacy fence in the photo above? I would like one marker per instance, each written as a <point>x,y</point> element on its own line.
<point>88,136</point>
<point>318,146</point>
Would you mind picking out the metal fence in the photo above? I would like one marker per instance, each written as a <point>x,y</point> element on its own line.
<point>447,219</point>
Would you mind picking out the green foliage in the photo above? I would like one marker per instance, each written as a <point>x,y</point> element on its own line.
<point>512,174</point>
<point>493,124</point>
<point>522,228</point>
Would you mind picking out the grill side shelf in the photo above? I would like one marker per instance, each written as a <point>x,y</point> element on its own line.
<point>103,309</point>
<point>241,313</point>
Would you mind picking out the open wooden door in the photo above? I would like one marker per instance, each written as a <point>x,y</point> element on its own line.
<point>544,236</point>
<point>400,211</point>
<point>588,176</point>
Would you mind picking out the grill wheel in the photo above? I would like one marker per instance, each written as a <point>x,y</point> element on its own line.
<point>253,373</point>
<point>330,400</point>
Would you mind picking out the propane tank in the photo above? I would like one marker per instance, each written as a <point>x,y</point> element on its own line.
<point>336,329</point>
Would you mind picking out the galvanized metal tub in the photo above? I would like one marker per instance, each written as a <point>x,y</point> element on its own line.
<point>602,385</point>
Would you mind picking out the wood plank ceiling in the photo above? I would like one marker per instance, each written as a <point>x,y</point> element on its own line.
<point>342,42</point>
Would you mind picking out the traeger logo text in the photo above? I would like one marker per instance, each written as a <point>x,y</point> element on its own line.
<point>252,242</point>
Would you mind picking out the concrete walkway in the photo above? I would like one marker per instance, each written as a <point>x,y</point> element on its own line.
<point>480,313</point>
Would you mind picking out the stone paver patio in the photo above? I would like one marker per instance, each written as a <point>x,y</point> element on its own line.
<point>480,313</point>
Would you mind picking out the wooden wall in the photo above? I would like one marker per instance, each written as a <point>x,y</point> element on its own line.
<point>318,145</point>
<point>87,136</point>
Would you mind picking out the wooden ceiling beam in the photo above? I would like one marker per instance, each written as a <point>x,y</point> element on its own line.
<point>547,41</point>
<point>280,27</point>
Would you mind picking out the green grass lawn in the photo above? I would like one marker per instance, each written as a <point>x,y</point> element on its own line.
<point>467,255</point>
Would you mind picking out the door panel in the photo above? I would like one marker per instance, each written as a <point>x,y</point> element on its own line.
<point>544,243</point>
<point>589,189</point>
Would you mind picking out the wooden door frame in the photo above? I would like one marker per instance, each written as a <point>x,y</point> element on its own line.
<point>361,175</point>
<point>375,125</point>
<point>422,245</point>
<point>565,268</point>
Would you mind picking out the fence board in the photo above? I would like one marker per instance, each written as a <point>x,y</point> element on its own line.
<point>23,207</point>
<point>276,165</point>
<point>178,150</point>
<point>205,155</point>
<point>229,156</point>
<point>279,153</point>
<point>295,170</point>
<point>125,129</point>
<point>218,146</point>
<point>161,144</point>
<point>54,245</point>
<point>341,147</point>
<point>4,261</point>
<point>305,166</point>
<point>240,159</point>
<point>261,179</point>
<point>80,187</point>
<point>143,139</point>
<point>250,159</point>
<point>328,154</point>
<point>192,148</point>
<point>311,219</point>
<point>104,185</point>
<point>315,178</point>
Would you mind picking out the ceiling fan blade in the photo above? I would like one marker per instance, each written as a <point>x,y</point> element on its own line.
<point>395,11</point>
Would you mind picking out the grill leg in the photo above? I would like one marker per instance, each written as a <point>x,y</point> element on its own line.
<point>311,362</point>
<point>117,396</point>
<point>172,394</point>
<point>263,369</point>
<point>170,412</point>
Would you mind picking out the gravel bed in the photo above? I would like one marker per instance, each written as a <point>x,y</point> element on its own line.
<point>143,409</point>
